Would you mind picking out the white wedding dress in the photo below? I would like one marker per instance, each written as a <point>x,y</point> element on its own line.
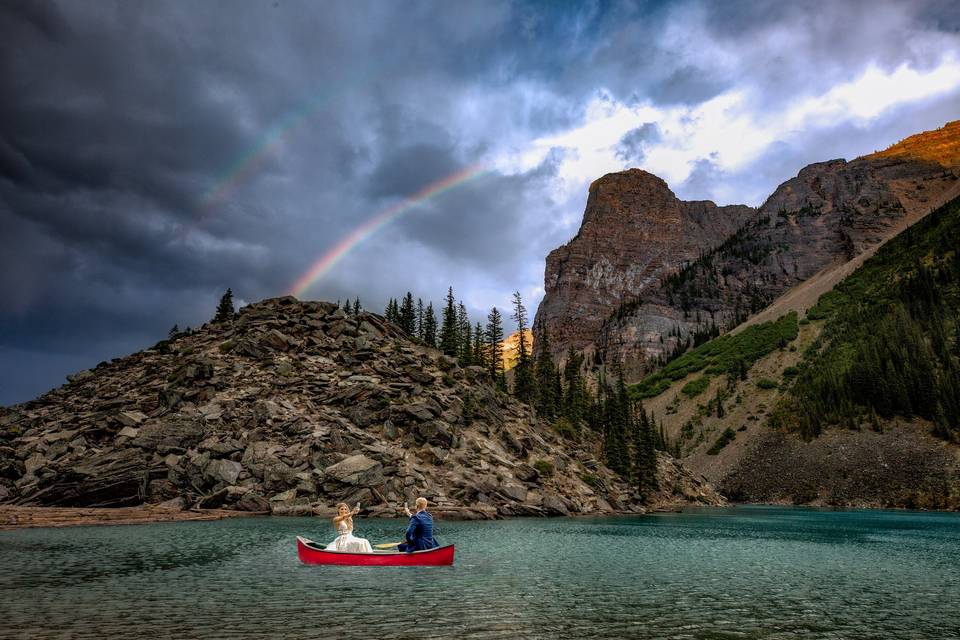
<point>347,542</point>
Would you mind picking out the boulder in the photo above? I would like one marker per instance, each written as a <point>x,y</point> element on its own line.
<point>175,433</point>
<point>358,470</point>
<point>223,470</point>
<point>130,418</point>
<point>555,505</point>
<point>34,462</point>
<point>285,497</point>
<point>252,501</point>
<point>513,490</point>
<point>275,340</point>
<point>526,473</point>
<point>435,432</point>
<point>128,432</point>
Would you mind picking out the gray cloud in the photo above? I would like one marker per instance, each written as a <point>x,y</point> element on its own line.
<point>153,154</point>
<point>631,149</point>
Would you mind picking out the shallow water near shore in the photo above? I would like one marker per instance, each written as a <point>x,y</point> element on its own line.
<point>744,572</point>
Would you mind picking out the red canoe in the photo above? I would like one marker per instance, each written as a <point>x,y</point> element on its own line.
<point>311,552</point>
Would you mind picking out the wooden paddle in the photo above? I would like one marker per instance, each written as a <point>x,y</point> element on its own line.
<point>386,545</point>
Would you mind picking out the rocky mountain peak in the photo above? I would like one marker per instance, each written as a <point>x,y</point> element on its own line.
<point>647,273</point>
<point>634,231</point>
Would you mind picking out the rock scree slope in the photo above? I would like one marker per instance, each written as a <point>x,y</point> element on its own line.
<point>294,403</point>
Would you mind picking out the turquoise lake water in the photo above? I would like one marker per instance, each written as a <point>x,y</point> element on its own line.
<point>745,572</point>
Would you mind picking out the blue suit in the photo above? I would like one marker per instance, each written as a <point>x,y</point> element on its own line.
<point>419,534</point>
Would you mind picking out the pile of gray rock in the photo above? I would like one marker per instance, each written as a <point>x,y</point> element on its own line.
<point>294,404</point>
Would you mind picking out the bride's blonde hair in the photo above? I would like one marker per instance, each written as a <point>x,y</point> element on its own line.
<point>342,505</point>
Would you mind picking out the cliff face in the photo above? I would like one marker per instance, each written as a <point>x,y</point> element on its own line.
<point>634,232</point>
<point>294,403</point>
<point>635,297</point>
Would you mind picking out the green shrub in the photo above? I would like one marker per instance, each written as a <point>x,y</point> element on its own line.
<point>591,480</point>
<point>790,372</point>
<point>725,438</point>
<point>544,468</point>
<point>766,383</point>
<point>695,387</point>
<point>566,428</point>
<point>723,355</point>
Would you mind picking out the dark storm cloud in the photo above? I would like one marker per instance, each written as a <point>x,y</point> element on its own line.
<point>154,153</point>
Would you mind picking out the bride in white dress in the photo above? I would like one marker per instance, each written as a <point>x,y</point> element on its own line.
<point>345,541</point>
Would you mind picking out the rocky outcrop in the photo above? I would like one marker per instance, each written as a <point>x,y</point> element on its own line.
<point>635,288</point>
<point>634,232</point>
<point>296,403</point>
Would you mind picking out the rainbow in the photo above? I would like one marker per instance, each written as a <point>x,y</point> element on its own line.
<point>323,264</point>
<point>248,162</point>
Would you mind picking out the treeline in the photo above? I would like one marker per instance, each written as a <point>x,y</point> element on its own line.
<point>563,398</point>
<point>891,340</point>
<point>473,345</point>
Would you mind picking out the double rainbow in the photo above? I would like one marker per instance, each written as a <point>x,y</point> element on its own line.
<point>327,261</point>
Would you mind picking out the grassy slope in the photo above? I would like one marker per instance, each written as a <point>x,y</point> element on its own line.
<point>720,356</point>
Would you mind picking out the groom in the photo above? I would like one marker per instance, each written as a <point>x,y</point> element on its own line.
<point>419,535</point>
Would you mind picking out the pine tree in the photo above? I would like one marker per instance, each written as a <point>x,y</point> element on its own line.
<point>719,402</point>
<point>406,317</point>
<point>420,318</point>
<point>494,349</point>
<point>479,347</point>
<point>466,354</point>
<point>575,395</point>
<point>449,335</point>
<point>546,377</point>
<point>225,308</point>
<point>356,306</point>
<point>174,330</point>
<point>523,385</point>
<point>464,331</point>
<point>644,451</point>
<point>430,326</point>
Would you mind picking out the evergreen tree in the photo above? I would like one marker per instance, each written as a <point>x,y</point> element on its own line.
<point>546,378</point>
<point>391,311</point>
<point>420,318</point>
<point>617,423</point>
<point>449,335</point>
<point>494,349</point>
<point>523,385</point>
<point>644,451</point>
<point>479,347</point>
<point>719,402</point>
<point>406,317</point>
<point>356,306</point>
<point>225,308</point>
<point>466,353</point>
<point>174,330</point>
<point>576,398</point>
<point>430,326</point>
<point>465,348</point>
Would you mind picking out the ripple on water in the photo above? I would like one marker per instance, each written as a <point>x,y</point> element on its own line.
<point>723,573</point>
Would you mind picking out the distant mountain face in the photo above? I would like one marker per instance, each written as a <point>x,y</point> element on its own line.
<point>649,274</point>
<point>634,232</point>
<point>511,348</point>
<point>855,404</point>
